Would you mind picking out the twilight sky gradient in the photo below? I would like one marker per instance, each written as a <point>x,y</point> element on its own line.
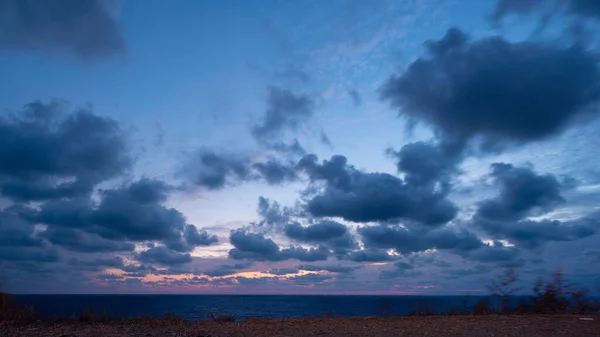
<point>414,146</point>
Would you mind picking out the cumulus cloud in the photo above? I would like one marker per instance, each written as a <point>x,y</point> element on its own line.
<point>254,246</point>
<point>328,233</point>
<point>273,214</point>
<point>405,241</point>
<point>83,28</point>
<point>80,241</point>
<point>524,193</point>
<point>46,153</point>
<point>364,197</point>
<point>285,111</point>
<point>465,89</point>
<point>214,171</point>
<point>164,256</point>
<point>370,255</point>
<point>521,191</point>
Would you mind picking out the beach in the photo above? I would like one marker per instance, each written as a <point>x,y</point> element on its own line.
<point>438,326</point>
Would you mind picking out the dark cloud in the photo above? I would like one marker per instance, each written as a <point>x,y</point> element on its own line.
<point>48,154</point>
<point>319,232</point>
<point>370,255</point>
<point>254,246</point>
<point>309,279</point>
<point>15,231</point>
<point>164,256</point>
<point>356,99</point>
<point>272,214</point>
<point>424,163</point>
<point>307,255</point>
<point>592,255</point>
<point>191,238</point>
<point>285,111</point>
<point>215,171</point>
<point>332,269</point>
<point>406,242</point>
<point>364,197</point>
<point>496,252</point>
<point>467,89</point>
<point>534,234</point>
<point>274,172</point>
<point>293,149</point>
<point>130,213</point>
<point>521,192</point>
<point>283,271</point>
<point>225,270</point>
<point>524,193</point>
<point>79,241</point>
<point>98,263</point>
<point>196,237</point>
<point>326,232</point>
<point>325,140</point>
<point>83,28</point>
<point>579,8</point>
<point>35,254</point>
<point>125,213</point>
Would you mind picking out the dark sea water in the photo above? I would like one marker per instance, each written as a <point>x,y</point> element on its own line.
<point>197,307</point>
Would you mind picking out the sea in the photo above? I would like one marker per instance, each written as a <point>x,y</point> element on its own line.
<point>201,307</point>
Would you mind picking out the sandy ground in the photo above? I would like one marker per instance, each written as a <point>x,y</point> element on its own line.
<point>530,326</point>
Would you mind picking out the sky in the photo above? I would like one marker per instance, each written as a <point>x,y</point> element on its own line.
<point>297,147</point>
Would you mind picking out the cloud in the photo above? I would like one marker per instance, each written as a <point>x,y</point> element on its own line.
<point>579,8</point>
<point>467,89</point>
<point>275,172</point>
<point>320,253</point>
<point>285,111</point>
<point>215,171</point>
<point>79,241</point>
<point>129,213</point>
<point>97,264</point>
<point>326,232</point>
<point>164,256</point>
<point>521,191</point>
<point>83,28</point>
<point>283,271</point>
<point>332,269</point>
<point>48,154</point>
<point>406,242</point>
<point>35,254</point>
<point>254,246</point>
<point>225,270</point>
<point>15,231</point>
<point>316,233</point>
<point>364,197</point>
<point>592,255</point>
<point>369,255</point>
<point>126,214</point>
<point>272,214</point>
<point>424,163</point>
<point>534,234</point>
<point>356,99</point>
<point>524,193</point>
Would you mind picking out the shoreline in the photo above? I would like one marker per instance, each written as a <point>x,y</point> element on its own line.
<point>438,325</point>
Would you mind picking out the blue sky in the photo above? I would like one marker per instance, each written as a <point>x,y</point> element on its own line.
<point>467,130</point>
